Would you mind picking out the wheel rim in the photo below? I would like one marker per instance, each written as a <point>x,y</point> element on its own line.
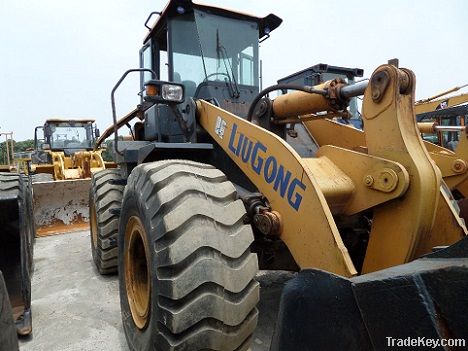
<point>137,278</point>
<point>93,223</point>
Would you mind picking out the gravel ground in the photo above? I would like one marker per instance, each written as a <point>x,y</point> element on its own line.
<point>76,309</point>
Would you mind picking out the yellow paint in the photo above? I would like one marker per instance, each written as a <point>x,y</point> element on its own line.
<point>401,228</point>
<point>387,169</point>
<point>310,231</point>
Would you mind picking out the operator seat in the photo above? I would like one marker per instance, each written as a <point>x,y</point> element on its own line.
<point>190,87</point>
<point>176,77</point>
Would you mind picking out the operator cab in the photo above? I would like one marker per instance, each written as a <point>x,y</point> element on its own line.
<point>68,136</point>
<point>213,52</point>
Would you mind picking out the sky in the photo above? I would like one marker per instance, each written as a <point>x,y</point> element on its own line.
<point>61,58</point>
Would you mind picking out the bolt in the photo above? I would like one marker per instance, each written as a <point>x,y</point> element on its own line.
<point>368,180</point>
<point>459,166</point>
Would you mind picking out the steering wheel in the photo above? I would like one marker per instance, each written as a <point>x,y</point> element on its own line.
<point>217,74</point>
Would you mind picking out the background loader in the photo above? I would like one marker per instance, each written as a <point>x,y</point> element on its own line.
<point>51,193</point>
<point>209,190</point>
<point>61,167</point>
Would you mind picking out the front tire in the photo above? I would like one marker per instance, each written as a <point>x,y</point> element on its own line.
<point>105,199</point>
<point>186,270</point>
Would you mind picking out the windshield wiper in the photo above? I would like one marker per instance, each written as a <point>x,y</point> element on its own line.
<point>222,52</point>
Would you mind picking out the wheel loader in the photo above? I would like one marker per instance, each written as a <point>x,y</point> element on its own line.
<point>452,120</point>
<point>208,190</point>
<point>61,164</point>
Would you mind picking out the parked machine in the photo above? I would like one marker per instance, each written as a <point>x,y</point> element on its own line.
<point>65,150</point>
<point>208,191</point>
<point>50,192</point>
<point>441,100</point>
<point>61,164</point>
<point>447,112</point>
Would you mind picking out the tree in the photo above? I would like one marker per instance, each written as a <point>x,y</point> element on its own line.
<point>107,154</point>
<point>18,146</point>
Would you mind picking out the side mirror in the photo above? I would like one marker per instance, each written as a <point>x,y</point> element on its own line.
<point>97,133</point>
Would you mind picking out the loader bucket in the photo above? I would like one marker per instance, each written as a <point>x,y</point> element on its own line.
<point>404,305</point>
<point>61,206</point>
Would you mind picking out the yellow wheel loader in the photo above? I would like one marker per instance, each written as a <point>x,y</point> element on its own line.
<point>208,191</point>
<point>61,168</point>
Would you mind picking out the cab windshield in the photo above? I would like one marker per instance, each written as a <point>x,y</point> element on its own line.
<point>70,136</point>
<point>207,47</point>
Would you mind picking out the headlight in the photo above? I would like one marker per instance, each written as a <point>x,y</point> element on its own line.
<point>164,92</point>
<point>172,92</point>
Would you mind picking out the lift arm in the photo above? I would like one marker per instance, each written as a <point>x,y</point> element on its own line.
<point>438,101</point>
<point>306,192</point>
<point>279,173</point>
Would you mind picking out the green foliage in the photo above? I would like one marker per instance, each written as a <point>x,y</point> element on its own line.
<point>18,146</point>
<point>24,145</point>
<point>107,153</point>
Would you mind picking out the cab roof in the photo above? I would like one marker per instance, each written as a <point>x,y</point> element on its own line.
<point>159,29</point>
<point>69,120</point>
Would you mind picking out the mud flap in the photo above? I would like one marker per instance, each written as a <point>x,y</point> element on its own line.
<point>422,299</point>
<point>61,206</point>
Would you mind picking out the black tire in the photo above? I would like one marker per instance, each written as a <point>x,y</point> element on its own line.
<point>8,338</point>
<point>186,272</point>
<point>21,237</point>
<point>105,198</point>
<point>31,225</point>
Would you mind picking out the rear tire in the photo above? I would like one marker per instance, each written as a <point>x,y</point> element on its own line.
<point>18,265</point>
<point>105,199</point>
<point>186,270</point>
<point>8,337</point>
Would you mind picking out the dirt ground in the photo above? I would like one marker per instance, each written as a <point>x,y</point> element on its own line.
<point>76,309</point>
